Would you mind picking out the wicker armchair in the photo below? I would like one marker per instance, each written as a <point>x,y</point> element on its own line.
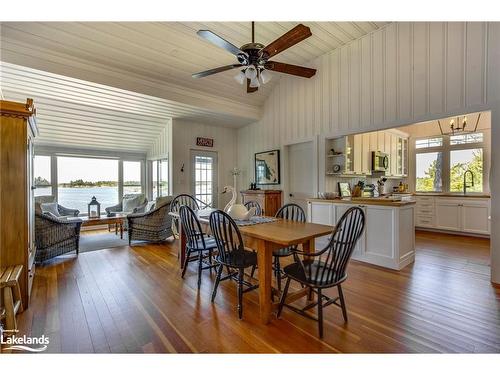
<point>154,225</point>
<point>119,207</point>
<point>54,236</point>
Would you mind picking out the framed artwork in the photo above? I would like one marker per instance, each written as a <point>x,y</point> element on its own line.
<point>267,167</point>
<point>344,189</point>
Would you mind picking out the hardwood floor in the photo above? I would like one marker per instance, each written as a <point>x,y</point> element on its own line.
<point>132,299</point>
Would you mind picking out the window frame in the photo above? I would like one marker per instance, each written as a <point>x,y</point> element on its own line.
<point>159,162</point>
<point>53,176</point>
<point>446,149</point>
<point>55,152</point>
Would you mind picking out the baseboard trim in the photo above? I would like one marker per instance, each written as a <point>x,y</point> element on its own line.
<point>424,229</point>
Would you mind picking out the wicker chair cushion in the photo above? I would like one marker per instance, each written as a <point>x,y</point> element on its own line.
<point>50,208</point>
<point>43,199</point>
<point>161,201</point>
<point>129,203</point>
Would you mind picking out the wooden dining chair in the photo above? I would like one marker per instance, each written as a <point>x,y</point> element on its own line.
<point>252,204</point>
<point>197,242</point>
<point>231,254</point>
<point>290,211</point>
<point>179,201</point>
<point>326,268</point>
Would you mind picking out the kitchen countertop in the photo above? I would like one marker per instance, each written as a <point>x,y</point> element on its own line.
<point>453,195</point>
<point>368,201</point>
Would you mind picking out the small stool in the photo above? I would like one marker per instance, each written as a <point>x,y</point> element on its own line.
<point>12,303</point>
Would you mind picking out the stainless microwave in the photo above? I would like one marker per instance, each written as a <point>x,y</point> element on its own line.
<point>380,161</point>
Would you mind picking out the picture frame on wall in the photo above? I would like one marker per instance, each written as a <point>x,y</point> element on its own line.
<point>267,167</point>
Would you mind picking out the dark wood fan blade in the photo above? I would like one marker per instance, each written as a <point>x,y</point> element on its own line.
<point>220,42</point>
<point>251,89</point>
<point>295,70</point>
<point>215,70</point>
<point>292,37</point>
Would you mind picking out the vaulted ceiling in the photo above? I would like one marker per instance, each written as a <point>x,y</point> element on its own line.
<point>102,83</point>
<point>169,52</point>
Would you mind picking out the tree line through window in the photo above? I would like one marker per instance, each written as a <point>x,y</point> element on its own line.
<point>441,162</point>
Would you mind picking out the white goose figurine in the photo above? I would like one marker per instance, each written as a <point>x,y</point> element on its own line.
<point>237,211</point>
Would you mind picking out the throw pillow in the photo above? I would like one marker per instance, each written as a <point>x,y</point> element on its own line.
<point>150,206</point>
<point>50,208</point>
<point>129,203</point>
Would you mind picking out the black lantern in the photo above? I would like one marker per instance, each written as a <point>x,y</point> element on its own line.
<point>94,208</point>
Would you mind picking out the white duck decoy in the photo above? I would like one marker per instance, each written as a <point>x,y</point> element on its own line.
<point>237,211</point>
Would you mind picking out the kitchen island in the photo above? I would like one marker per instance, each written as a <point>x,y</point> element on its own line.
<point>389,236</point>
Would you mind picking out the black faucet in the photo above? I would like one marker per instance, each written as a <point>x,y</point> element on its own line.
<point>465,180</point>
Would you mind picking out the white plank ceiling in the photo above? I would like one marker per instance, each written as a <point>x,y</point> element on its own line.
<point>171,51</point>
<point>77,112</point>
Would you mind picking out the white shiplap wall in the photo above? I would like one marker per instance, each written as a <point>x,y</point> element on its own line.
<point>398,75</point>
<point>401,74</point>
<point>184,134</point>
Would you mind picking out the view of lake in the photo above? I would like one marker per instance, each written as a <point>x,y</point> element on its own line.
<point>80,197</point>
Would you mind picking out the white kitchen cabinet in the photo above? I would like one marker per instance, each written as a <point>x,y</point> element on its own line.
<point>448,215</point>
<point>475,217</point>
<point>389,236</point>
<point>321,213</point>
<point>366,154</point>
<point>340,209</point>
<point>465,215</point>
<point>355,156</point>
<point>358,153</point>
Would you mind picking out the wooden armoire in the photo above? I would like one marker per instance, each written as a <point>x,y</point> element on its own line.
<point>17,217</point>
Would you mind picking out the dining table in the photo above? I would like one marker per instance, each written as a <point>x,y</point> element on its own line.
<point>264,238</point>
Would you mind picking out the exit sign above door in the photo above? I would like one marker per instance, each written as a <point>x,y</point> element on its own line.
<point>204,142</point>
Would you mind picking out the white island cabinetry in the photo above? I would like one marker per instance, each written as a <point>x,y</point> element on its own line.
<point>389,236</point>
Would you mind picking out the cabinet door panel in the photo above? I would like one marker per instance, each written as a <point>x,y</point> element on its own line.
<point>357,153</point>
<point>321,213</point>
<point>366,154</point>
<point>380,142</point>
<point>379,231</point>
<point>359,249</point>
<point>475,218</point>
<point>448,216</point>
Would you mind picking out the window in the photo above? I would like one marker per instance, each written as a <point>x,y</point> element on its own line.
<point>42,175</point>
<point>429,142</point>
<point>163,177</point>
<point>132,177</point>
<point>441,162</point>
<point>154,170</point>
<point>462,160</point>
<point>203,182</point>
<point>466,139</point>
<point>159,178</point>
<point>429,171</point>
<point>82,178</point>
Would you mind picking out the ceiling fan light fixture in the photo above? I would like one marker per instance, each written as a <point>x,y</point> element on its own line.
<point>251,72</point>
<point>265,76</point>
<point>254,82</point>
<point>240,77</point>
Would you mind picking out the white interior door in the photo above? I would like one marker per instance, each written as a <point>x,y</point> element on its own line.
<point>300,168</point>
<point>204,176</point>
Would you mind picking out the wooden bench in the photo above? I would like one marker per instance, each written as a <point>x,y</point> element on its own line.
<point>9,287</point>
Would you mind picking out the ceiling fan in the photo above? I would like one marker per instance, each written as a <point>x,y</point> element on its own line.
<point>253,57</point>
